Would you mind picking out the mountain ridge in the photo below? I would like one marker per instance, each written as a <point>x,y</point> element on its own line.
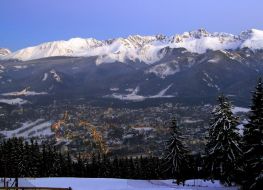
<point>143,48</point>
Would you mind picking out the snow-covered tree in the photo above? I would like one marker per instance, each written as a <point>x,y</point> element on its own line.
<point>253,141</point>
<point>223,150</point>
<point>176,158</point>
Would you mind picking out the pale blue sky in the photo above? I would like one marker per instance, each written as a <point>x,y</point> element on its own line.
<point>30,22</point>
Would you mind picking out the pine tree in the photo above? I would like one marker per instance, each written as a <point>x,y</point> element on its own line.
<point>79,167</point>
<point>115,167</point>
<point>223,150</point>
<point>43,162</point>
<point>176,158</point>
<point>33,159</point>
<point>253,141</point>
<point>94,166</point>
<point>69,166</point>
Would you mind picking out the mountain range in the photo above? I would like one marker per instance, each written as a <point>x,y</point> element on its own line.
<point>192,67</point>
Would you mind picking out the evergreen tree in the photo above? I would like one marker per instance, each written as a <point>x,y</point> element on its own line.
<point>94,166</point>
<point>33,159</point>
<point>62,170</point>
<point>138,168</point>
<point>131,168</point>
<point>223,150</point>
<point>176,159</point>
<point>253,141</point>
<point>79,167</point>
<point>44,165</point>
<point>116,167</point>
<point>105,166</point>
<point>69,166</point>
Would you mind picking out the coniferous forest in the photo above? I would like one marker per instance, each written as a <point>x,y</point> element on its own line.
<point>228,156</point>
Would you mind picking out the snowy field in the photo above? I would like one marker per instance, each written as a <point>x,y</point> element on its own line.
<point>120,184</point>
<point>29,129</point>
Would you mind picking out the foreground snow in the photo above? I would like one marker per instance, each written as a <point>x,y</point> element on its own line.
<point>120,184</point>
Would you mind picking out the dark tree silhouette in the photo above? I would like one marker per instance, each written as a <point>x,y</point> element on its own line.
<point>176,158</point>
<point>223,150</point>
<point>253,141</point>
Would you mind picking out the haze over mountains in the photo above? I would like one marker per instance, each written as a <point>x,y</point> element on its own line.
<point>194,66</point>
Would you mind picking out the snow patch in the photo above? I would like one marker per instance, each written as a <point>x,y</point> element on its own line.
<point>20,66</point>
<point>55,75</point>
<point>129,89</point>
<point>163,70</point>
<point>45,77</point>
<point>16,101</point>
<point>161,94</point>
<point>214,60</point>
<point>133,96</point>
<point>240,127</point>
<point>114,89</point>
<point>24,92</point>
<point>240,110</point>
<point>29,129</point>
<point>210,82</point>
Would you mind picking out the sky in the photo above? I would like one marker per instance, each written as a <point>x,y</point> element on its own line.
<point>26,23</point>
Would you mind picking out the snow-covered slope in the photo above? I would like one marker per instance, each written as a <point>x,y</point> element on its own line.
<point>142,48</point>
<point>29,129</point>
<point>253,39</point>
<point>24,92</point>
<point>120,184</point>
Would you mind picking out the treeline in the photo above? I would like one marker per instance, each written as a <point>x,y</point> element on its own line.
<point>19,158</point>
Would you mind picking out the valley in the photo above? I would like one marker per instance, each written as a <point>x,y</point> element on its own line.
<point>116,130</point>
<point>118,96</point>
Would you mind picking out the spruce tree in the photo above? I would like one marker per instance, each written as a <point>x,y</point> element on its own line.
<point>223,150</point>
<point>176,158</point>
<point>253,141</point>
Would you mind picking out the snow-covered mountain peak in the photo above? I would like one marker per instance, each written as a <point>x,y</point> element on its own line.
<point>139,41</point>
<point>253,39</point>
<point>142,48</point>
<point>200,41</point>
<point>250,33</point>
<point>199,33</point>
<point>84,43</point>
<point>4,52</point>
